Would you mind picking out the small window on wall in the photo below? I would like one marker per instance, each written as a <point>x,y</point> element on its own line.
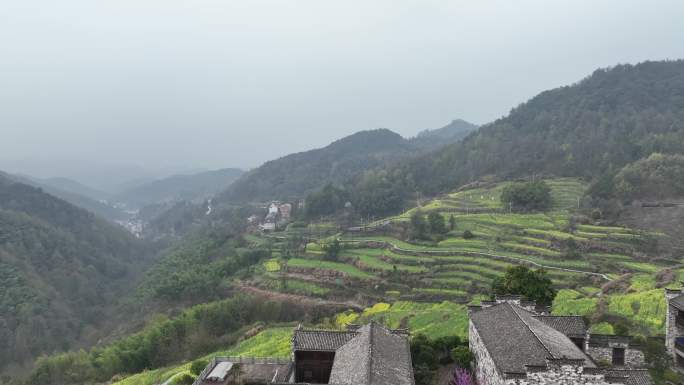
<point>618,356</point>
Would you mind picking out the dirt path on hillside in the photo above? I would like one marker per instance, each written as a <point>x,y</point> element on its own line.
<point>300,299</point>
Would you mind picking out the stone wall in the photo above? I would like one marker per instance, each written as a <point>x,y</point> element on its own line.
<point>485,371</point>
<point>634,358</point>
<point>561,374</point>
<point>672,331</point>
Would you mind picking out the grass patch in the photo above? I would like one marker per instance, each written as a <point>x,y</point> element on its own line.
<point>349,270</point>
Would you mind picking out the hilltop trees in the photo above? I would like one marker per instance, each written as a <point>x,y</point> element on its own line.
<point>535,285</point>
<point>527,196</point>
<point>436,222</point>
<point>610,119</point>
<point>326,201</point>
<point>332,250</point>
<point>657,177</point>
<point>418,226</point>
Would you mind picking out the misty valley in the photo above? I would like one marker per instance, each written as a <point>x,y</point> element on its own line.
<point>263,227</point>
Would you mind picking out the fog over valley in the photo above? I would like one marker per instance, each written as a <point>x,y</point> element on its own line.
<point>169,87</point>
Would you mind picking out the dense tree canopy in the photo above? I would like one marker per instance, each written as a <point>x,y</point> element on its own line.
<point>612,118</point>
<point>526,196</point>
<point>61,270</point>
<point>535,285</point>
<point>657,177</point>
<point>200,329</point>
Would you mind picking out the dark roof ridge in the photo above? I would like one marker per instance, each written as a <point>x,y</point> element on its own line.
<point>325,330</point>
<point>551,315</point>
<point>530,329</point>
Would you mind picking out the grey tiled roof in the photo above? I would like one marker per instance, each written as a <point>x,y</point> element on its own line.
<point>604,340</point>
<point>634,376</point>
<point>515,338</point>
<point>376,356</point>
<point>571,326</point>
<point>678,302</point>
<point>320,340</point>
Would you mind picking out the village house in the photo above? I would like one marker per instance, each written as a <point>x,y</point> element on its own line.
<point>514,344</point>
<point>674,326</point>
<point>361,355</point>
<point>277,214</point>
<point>285,211</point>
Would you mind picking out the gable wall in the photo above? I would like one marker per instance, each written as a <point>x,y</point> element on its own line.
<point>672,331</point>
<point>633,358</point>
<point>485,371</point>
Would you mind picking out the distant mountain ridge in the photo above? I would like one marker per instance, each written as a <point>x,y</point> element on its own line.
<point>75,193</point>
<point>296,175</point>
<point>452,132</point>
<point>72,186</point>
<point>612,118</point>
<point>186,187</point>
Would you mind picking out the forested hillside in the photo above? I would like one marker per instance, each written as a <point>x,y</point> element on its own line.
<point>614,117</point>
<point>452,132</point>
<point>190,187</point>
<point>590,129</point>
<point>61,272</point>
<point>295,175</point>
<point>74,193</point>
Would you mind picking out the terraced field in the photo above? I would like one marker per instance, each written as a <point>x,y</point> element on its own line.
<point>609,278</point>
<point>383,266</point>
<point>271,342</point>
<point>433,320</point>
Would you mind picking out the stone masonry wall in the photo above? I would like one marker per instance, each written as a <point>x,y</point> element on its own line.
<point>672,331</point>
<point>560,375</point>
<point>633,358</point>
<point>485,370</point>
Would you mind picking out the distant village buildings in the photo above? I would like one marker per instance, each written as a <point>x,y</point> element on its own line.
<point>277,214</point>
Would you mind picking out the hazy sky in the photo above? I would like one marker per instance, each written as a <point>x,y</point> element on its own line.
<point>218,83</point>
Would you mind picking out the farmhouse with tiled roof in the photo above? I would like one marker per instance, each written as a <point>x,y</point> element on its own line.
<point>366,355</point>
<point>513,345</point>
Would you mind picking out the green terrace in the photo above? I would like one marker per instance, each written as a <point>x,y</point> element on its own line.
<point>458,268</point>
<point>431,319</point>
<point>384,266</point>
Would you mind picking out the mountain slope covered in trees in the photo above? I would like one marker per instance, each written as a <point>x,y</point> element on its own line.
<point>590,129</point>
<point>61,270</point>
<point>452,132</point>
<point>74,193</point>
<point>295,175</point>
<point>189,187</point>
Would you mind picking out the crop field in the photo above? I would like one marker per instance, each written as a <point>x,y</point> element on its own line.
<point>432,319</point>
<point>271,342</point>
<point>461,269</point>
<point>342,268</point>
